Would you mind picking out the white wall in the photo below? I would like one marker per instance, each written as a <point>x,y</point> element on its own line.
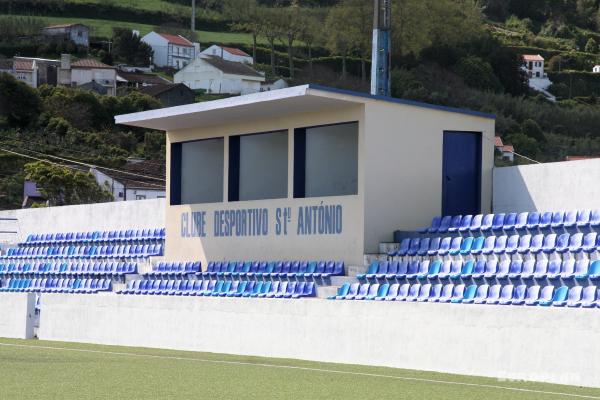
<point>141,214</point>
<point>17,314</point>
<point>547,187</point>
<point>215,50</point>
<point>103,76</point>
<point>159,47</point>
<point>537,344</point>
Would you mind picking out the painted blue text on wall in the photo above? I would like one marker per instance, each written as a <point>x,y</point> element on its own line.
<point>282,221</point>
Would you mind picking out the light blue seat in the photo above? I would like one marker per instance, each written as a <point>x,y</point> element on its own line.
<point>434,246</point>
<point>528,270</point>
<point>570,219</point>
<point>476,223</point>
<point>560,297</point>
<point>445,224</point>
<point>424,246</point>
<point>477,245</point>
<point>554,268</point>
<point>549,243</point>
<point>349,293</point>
<point>458,294</point>
<point>466,246</point>
<point>574,298</point>
<point>445,269</point>
<point>371,271</point>
<point>480,295</point>
<point>562,243</point>
<point>469,294</point>
<point>594,270</point>
<point>512,244</point>
<point>434,270</point>
<point>382,292</point>
<point>455,245</point>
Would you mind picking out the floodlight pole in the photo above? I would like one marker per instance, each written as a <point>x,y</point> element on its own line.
<point>382,44</point>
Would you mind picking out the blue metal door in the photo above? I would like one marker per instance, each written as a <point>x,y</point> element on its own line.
<point>461,179</point>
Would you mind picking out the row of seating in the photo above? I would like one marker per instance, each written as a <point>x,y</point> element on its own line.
<point>57,268</point>
<point>511,221</point>
<point>491,269</point>
<point>503,244</point>
<point>96,236</point>
<point>269,289</point>
<point>279,269</point>
<point>109,251</point>
<point>576,296</point>
<point>45,285</point>
<point>175,268</point>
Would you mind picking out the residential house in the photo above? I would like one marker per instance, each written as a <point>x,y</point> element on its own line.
<point>35,71</point>
<point>228,53</point>
<point>78,33</point>
<point>88,70</point>
<point>216,75</point>
<point>171,50</point>
<point>534,65</point>
<point>171,94</point>
<point>596,69</point>
<point>137,180</point>
<point>507,152</point>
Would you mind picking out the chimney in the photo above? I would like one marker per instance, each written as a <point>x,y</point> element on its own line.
<point>64,72</point>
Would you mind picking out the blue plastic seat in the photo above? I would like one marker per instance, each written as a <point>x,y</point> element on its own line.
<point>583,217</point>
<point>465,223</point>
<point>581,271</point>
<point>445,269</point>
<point>558,219</point>
<point>434,245</point>
<point>382,271</point>
<point>434,270</point>
<point>521,222</point>
<point>570,219</point>
<point>402,249</point>
<point>467,244</point>
<point>493,295</point>
<point>413,293</point>
<point>510,221</point>
<point>506,294</point>
<point>500,245</point>
<point>435,293</point>
<point>488,245</point>
<point>372,293</point>
<point>371,271</point>
<point>595,218</point>
<point>589,242</point>
<point>413,249</point>
<point>549,243</point>
<point>473,269</point>
<point>341,292</point>
<point>352,292</point>
<point>402,292</point>
<point>491,269</point>
<point>567,269</point>
<point>435,225</point>
<point>512,244</point>
<point>469,294</point>
<point>562,243</point>
<point>541,269</point>
<point>477,245</point>
<point>455,245</point>
<point>519,295</point>
<point>392,292</point>
<point>487,222</point>
<point>515,269</point>
<point>503,269</point>
<point>545,296</point>
<point>444,246</point>
<point>589,297</point>
<point>424,246</point>
<point>363,291</point>
<point>476,223</point>
<point>575,242</point>
<point>422,268</point>
<point>444,224</point>
<point>446,295</point>
<point>498,222</point>
<point>524,244</point>
<point>594,272</point>
<point>574,298</point>
<point>424,292</point>
<point>560,297</point>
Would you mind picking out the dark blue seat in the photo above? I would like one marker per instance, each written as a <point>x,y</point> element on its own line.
<point>562,243</point>
<point>503,269</point>
<point>465,223</point>
<point>487,222</point>
<point>424,246</point>
<point>515,269</point>
<point>434,246</point>
<point>445,269</point>
<point>558,219</point>
<point>498,222</point>
<point>583,217</point>
<point>455,223</point>
<point>509,221</point>
<point>435,225</point>
<point>444,224</point>
<point>413,249</point>
<point>480,295</point>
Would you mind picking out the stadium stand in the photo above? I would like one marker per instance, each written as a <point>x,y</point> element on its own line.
<point>543,259</point>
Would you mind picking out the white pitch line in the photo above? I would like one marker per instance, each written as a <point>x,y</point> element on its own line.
<point>330,371</point>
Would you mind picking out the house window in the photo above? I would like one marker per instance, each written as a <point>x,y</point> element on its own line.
<point>197,171</point>
<point>258,166</point>
<point>120,194</point>
<point>326,160</point>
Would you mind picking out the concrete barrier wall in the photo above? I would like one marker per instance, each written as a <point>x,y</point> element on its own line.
<point>547,187</point>
<point>17,314</point>
<point>138,214</point>
<point>539,344</point>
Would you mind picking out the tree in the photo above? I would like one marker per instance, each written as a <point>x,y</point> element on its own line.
<point>524,144</point>
<point>310,34</point>
<point>360,24</point>
<point>129,47</point>
<point>65,186</point>
<point>19,104</point>
<point>291,21</point>
<point>271,31</point>
<point>339,40</point>
<point>533,130</point>
<point>478,74</point>
<point>591,46</point>
<point>247,13</point>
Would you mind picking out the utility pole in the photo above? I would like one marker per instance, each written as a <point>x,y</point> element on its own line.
<point>382,45</point>
<point>193,16</point>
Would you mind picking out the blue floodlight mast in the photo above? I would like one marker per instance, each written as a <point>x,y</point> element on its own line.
<point>382,46</point>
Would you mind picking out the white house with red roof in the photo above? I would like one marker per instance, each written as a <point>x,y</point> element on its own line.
<point>533,65</point>
<point>170,50</point>
<point>228,53</point>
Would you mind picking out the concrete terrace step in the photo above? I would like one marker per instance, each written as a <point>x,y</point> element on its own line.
<point>324,292</point>
<point>340,280</point>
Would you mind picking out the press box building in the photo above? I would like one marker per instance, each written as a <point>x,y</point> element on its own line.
<point>310,172</point>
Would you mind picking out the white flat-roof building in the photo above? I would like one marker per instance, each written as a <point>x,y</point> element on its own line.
<point>310,172</point>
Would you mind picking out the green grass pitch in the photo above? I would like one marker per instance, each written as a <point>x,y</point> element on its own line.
<point>40,370</point>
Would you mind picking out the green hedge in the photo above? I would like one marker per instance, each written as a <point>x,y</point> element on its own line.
<point>581,84</point>
<point>103,10</point>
